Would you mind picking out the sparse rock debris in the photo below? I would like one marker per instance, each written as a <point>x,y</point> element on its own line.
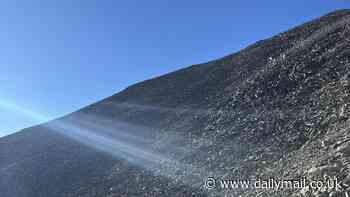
<point>277,109</point>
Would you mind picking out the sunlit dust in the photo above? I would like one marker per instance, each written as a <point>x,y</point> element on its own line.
<point>125,141</point>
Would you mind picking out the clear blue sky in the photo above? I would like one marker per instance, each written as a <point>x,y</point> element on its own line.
<point>58,56</point>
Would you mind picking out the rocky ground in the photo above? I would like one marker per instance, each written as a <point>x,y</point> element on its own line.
<point>277,109</point>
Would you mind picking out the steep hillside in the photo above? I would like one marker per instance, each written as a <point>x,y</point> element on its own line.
<point>277,109</point>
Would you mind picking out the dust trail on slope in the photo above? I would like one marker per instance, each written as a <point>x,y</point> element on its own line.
<point>132,147</point>
<point>99,133</point>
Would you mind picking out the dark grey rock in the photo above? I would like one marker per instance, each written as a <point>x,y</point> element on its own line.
<point>278,108</point>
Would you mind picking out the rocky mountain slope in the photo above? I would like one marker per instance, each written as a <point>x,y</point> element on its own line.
<point>277,109</point>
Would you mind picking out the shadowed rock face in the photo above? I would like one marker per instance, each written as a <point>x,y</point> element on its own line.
<point>278,108</point>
